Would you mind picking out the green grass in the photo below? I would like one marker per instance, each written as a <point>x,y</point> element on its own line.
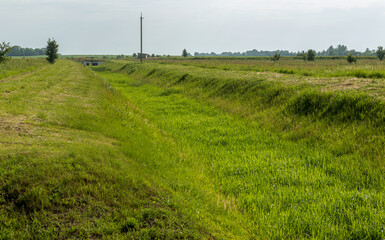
<point>68,166</point>
<point>322,67</point>
<point>299,163</point>
<point>180,151</point>
<point>16,66</point>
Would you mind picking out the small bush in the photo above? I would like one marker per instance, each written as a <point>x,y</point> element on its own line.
<point>380,53</point>
<point>276,57</point>
<point>311,55</point>
<point>351,59</point>
<point>4,49</point>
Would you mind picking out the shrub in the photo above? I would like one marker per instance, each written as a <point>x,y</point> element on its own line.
<point>184,53</point>
<point>351,58</point>
<point>380,53</point>
<point>311,55</point>
<point>4,48</point>
<point>276,57</point>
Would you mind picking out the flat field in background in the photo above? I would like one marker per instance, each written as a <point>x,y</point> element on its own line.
<point>193,148</point>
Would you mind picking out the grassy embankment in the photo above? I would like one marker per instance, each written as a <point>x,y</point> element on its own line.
<point>324,67</point>
<point>77,160</point>
<point>17,66</point>
<point>299,160</point>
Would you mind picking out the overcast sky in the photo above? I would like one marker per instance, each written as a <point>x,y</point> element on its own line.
<point>112,27</point>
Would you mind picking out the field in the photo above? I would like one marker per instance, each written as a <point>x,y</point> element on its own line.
<point>205,148</point>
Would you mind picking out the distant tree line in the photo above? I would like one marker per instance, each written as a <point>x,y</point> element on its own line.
<point>18,51</point>
<point>340,50</point>
<point>251,53</point>
<point>51,50</point>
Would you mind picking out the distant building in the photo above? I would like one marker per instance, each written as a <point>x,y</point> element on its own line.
<point>145,55</point>
<point>94,63</point>
<point>90,61</point>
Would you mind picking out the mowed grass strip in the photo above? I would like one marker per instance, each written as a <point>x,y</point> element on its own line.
<point>68,167</point>
<point>286,189</point>
<point>365,67</point>
<point>13,66</point>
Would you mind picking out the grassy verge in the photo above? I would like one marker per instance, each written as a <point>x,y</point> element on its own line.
<point>16,66</point>
<point>298,163</point>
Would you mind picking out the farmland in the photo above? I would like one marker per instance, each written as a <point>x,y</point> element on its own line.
<point>206,148</point>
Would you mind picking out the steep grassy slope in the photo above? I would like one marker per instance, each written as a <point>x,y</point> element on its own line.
<point>69,166</point>
<point>297,161</point>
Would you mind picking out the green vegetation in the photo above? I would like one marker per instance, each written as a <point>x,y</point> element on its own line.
<point>323,68</point>
<point>339,50</point>
<point>276,57</point>
<point>351,59</point>
<point>70,166</point>
<point>298,162</point>
<point>184,53</point>
<point>380,53</point>
<point>52,51</point>
<point>310,56</point>
<point>18,51</point>
<point>193,149</point>
<point>17,66</point>
<point>4,49</point>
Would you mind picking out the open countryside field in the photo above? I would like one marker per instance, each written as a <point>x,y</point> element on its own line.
<point>205,148</point>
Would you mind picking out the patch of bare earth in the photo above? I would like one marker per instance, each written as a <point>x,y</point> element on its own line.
<point>15,125</point>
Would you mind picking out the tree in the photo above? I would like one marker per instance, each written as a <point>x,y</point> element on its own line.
<point>51,50</point>
<point>351,58</point>
<point>311,55</point>
<point>152,55</point>
<point>4,48</point>
<point>276,57</point>
<point>380,53</point>
<point>302,55</point>
<point>184,53</point>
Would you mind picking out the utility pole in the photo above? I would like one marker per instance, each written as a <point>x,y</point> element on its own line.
<point>141,38</point>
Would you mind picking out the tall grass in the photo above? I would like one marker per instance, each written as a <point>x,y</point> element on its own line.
<point>77,161</point>
<point>297,161</point>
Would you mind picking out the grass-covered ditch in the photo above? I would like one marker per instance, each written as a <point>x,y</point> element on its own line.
<point>70,163</point>
<point>295,160</point>
<point>171,151</point>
